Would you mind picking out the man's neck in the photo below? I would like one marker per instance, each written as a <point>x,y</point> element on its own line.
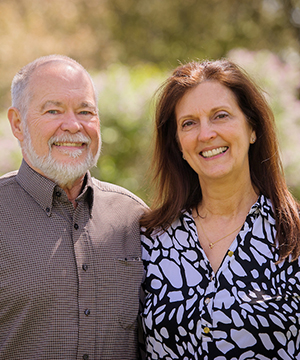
<point>74,190</point>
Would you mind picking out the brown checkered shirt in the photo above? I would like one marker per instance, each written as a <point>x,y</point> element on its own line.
<point>69,278</point>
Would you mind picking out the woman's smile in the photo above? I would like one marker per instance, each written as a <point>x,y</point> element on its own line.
<point>211,153</point>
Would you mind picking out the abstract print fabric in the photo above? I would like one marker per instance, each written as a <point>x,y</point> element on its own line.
<point>248,309</point>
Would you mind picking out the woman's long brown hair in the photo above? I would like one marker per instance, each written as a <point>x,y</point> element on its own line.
<point>177,185</point>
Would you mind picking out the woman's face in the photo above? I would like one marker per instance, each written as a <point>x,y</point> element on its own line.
<point>213,133</point>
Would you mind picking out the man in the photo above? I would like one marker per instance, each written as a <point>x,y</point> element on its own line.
<point>70,268</point>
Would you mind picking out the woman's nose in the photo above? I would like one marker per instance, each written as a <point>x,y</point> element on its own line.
<point>206,131</point>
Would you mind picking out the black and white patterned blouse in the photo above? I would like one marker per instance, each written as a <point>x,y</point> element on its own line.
<point>249,309</point>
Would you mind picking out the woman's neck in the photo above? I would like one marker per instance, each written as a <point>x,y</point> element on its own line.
<point>227,200</point>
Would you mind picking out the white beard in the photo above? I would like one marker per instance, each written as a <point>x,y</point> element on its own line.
<point>62,174</point>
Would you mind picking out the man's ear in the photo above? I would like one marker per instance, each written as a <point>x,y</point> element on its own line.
<point>16,124</point>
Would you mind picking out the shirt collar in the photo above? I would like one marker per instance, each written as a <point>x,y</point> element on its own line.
<point>42,190</point>
<point>263,206</point>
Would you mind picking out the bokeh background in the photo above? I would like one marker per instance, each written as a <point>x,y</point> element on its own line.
<point>131,46</point>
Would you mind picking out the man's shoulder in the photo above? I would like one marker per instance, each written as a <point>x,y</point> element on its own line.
<point>8,178</point>
<point>117,190</point>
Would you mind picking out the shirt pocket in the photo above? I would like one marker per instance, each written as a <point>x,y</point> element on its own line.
<point>129,273</point>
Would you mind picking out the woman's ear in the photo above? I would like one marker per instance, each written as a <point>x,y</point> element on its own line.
<point>15,120</point>
<point>253,137</point>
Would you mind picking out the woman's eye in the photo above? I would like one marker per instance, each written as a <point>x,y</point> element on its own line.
<point>52,111</point>
<point>221,115</point>
<point>187,123</point>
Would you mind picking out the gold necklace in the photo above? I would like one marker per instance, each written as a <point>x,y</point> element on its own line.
<point>212,244</point>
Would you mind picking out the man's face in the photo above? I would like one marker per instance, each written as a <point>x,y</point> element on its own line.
<point>61,131</point>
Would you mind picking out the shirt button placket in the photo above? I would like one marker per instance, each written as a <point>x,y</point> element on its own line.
<point>86,288</point>
<point>208,305</point>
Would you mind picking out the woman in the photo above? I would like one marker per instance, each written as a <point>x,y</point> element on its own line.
<point>221,245</point>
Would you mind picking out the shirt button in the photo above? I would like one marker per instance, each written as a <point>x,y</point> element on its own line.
<point>87,312</point>
<point>85,357</point>
<point>76,226</point>
<point>230,253</point>
<point>58,193</point>
<point>206,330</point>
<point>47,209</point>
<point>84,267</point>
<point>207,301</point>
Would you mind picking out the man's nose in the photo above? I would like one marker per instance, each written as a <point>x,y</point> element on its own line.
<point>70,123</point>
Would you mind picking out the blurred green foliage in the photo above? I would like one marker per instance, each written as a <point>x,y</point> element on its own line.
<point>99,33</point>
<point>130,47</point>
<point>126,107</point>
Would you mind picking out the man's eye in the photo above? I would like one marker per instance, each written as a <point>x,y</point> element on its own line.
<point>85,112</point>
<point>52,111</point>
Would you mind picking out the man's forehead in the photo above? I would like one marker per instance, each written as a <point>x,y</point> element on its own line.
<point>62,71</point>
<point>62,77</point>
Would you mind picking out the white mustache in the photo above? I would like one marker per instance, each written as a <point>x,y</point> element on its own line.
<point>76,138</point>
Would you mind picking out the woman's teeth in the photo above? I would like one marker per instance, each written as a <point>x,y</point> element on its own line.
<point>213,152</point>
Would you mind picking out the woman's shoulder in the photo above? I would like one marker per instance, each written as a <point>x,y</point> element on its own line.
<point>160,232</point>
<point>164,237</point>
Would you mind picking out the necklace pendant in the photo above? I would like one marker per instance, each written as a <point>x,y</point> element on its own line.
<point>211,245</point>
